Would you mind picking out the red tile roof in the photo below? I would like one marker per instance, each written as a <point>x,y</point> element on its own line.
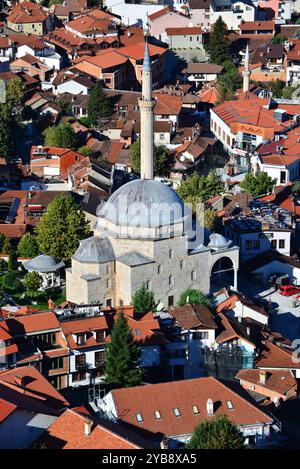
<point>86,325</point>
<point>159,13</point>
<point>194,316</point>
<point>67,432</point>
<point>257,25</point>
<point>36,322</point>
<point>183,31</point>
<point>26,388</point>
<point>183,395</point>
<point>6,409</point>
<point>274,356</point>
<point>27,12</point>
<point>280,381</point>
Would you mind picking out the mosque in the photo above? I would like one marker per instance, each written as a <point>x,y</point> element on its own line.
<point>144,235</point>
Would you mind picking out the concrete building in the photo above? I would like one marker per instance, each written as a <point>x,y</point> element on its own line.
<point>184,38</point>
<point>233,12</point>
<point>200,13</point>
<point>201,73</point>
<point>29,18</point>
<point>143,236</point>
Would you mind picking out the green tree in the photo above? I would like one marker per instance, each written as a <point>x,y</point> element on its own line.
<point>62,136</point>
<point>194,297</point>
<point>277,87</point>
<point>61,228</point>
<point>143,300</point>
<point>218,433</point>
<point>160,156</point>
<point>230,81</point>
<point>11,260</point>
<point>258,185</point>
<point>278,39</point>
<point>296,188</point>
<point>122,357</point>
<point>2,241</point>
<point>196,189</point>
<point>218,47</point>
<point>211,220</point>
<point>32,281</point>
<point>6,246</point>
<point>65,107</point>
<point>15,90</point>
<point>28,246</point>
<point>3,266</point>
<point>98,105</point>
<point>11,283</point>
<point>9,131</point>
<point>87,151</point>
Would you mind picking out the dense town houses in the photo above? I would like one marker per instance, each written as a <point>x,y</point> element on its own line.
<point>149,217</point>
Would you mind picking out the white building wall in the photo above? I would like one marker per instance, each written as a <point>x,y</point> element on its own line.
<point>131,14</point>
<point>221,130</point>
<point>71,87</point>
<point>233,20</point>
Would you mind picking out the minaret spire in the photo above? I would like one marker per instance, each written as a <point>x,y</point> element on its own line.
<point>146,104</point>
<point>246,72</point>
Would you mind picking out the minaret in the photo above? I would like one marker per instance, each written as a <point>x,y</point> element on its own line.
<point>246,72</point>
<point>146,104</point>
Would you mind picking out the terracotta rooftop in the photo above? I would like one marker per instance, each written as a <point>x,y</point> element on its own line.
<point>257,25</point>
<point>67,432</point>
<point>25,388</point>
<point>182,395</point>
<point>194,316</point>
<point>275,356</point>
<point>195,30</point>
<point>41,321</point>
<point>27,12</point>
<point>6,409</point>
<point>87,326</point>
<point>280,381</point>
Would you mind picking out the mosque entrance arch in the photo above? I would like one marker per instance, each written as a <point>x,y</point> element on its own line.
<point>223,273</point>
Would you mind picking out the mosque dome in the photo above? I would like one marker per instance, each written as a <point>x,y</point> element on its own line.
<point>43,263</point>
<point>143,203</point>
<point>95,250</point>
<point>217,241</point>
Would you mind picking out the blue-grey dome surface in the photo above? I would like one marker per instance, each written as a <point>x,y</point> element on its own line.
<point>43,263</point>
<point>143,202</point>
<point>95,250</point>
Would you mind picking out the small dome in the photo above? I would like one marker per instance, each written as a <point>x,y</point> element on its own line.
<point>43,263</point>
<point>217,241</point>
<point>145,203</point>
<point>95,250</point>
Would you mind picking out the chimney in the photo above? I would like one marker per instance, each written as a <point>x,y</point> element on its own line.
<point>210,407</point>
<point>262,376</point>
<point>19,381</point>
<point>88,427</point>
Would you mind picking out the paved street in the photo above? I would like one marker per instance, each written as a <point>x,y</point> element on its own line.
<point>285,318</point>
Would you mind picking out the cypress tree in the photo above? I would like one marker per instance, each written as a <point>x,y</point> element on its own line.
<point>122,357</point>
<point>143,300</point>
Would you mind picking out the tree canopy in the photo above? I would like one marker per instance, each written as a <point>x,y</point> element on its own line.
<point>218,433</point>
<point>160,156</point>
<point>32,281</point>
<point>15,90</point>
<point>9,132</point>
<point>62,136</point>
<point>218,47</point>
<point>196,189</point>
<point>98,105</point>
<point>193,296</point>
<point>258,185</point>
<point>61,228</point>
<point>211,220</point>
<point>143,300</point>
<point>122,357</point>
<point>28,246</point>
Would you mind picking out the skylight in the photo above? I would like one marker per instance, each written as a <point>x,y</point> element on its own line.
<point>195,410</point>
<point>176,412</point>
<point>157,415</point>
<point>139,417</point>
<point>229,405</point>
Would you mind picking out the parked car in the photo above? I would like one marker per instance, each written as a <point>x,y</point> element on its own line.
<point>288,290</point>
<point>279,278</point>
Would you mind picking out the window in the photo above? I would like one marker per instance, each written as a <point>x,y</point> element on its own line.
<point>80,339</point>
<point>159,269</point>
<point>80,360</point>
<point>108,283</point>
<point>170,253</point>
<point>171,300</point>
<point>139,417</point>
<point>161,136</point>
<point>274,243</point>
<point>148,285</point>
<point>157,415</point>
<point>99,358</point>
<point>281,243</point>
<point>137,332</point>
<point>248,244</point>
<point>181,264</point>
<point>176,412</point>
<point>282,177</point>
<point>108,302</point>
<point>107,269</point>
<point>171,280</point>
<point>200,335</point>
<point>57,363</point>
<point>230,405</point>
<point>78,376</point>
<point>256,244</point>
<point>100,336</point>
<point>195,410</point>
<point>193,275</point>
